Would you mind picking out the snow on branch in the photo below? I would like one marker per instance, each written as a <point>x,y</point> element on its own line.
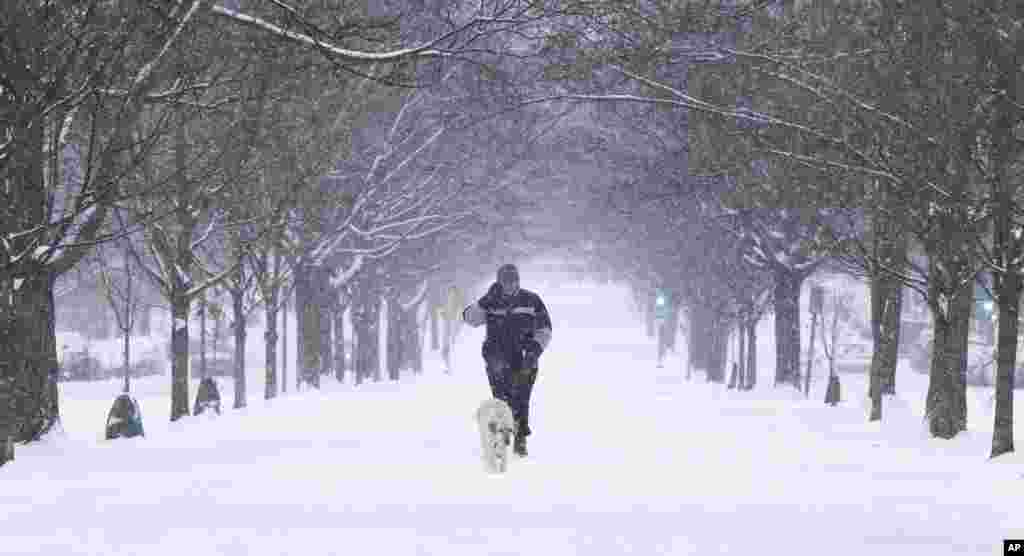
<point>213,280</point>
<point>205,235</point>
<point>423,51</point>
<point>147,68</point>
<point>344,276</point>
<point>329,242</point>
<point>833,89</point>
<point>417,296</point>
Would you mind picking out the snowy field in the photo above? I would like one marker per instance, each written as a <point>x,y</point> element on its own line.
<point>626,458</point>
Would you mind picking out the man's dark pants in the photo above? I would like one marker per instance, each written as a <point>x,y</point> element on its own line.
<point>513,386</point>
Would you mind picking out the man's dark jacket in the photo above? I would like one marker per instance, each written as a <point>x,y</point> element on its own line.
<point>515,324</point>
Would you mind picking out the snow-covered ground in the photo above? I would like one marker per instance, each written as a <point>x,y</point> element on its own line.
<point>626,458</point>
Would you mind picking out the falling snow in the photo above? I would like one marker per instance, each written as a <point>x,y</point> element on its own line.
<point>659,466</point>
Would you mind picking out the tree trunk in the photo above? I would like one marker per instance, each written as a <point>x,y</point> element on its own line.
<point>301,297</point>
<point>717,352</point>
<point>886,309</point>
<point>284,344</point>
<point>879,304</point>
<point>741,379</point>
<point>326,305</point>
<point>179,352</point>
<point>339,341</point>
<point>701,337</point>
<point>379,338</point>
<point>394,339</point>
<point>787,326</point>
<point>435,340</point>
<point>414,339</point>
<point>943,405</point>
<point>327,358</point>
<point>238,310</point>
<point>752,353</point>
<point>735,374</point>
<point>1008,296</point>
<point>891,346</point>
<point>366,328</point>
<point>8,352</point>
<point>307,315</point>
<point>1008,291</point>
<point>408,334</point>
<point>810,355</point>
<point>29,362</point>
<point>270,345</point>
<point>127,324</point>
<point>649,314</point>
<point>962,322</point>
<point>202,337</point>
<point>1004,184</point>
<point>127,361</point>
<point>964,307</point>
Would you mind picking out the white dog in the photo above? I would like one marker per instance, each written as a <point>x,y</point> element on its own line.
<point>497,426</point>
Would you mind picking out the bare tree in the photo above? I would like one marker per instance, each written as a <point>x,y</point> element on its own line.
<point>86,92</point>
<point>120,288</point>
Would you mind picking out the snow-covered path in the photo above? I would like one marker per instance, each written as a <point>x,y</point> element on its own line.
<point>626,459</point>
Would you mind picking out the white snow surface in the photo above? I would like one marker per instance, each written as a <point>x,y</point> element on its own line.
<point>626,458</point>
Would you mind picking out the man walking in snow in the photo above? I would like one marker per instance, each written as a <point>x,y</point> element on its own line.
<point>518,331</point>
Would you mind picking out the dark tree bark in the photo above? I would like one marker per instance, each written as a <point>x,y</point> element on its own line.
<point>716,357</point>
<point>394,338</point>
<point>1008,296</point>
<point>962,332</point>
<point>787,325</point>
<point>700,337</point>
<point>177,251</point>
<point>1007,284</point>
<point>944,406</point>
<point>8,354</point>
<point>127,322</point>
<point>180,307</point>
<point>327,305</point>
<point>30,363</point>
<point>270,345</point>
<point>366,325</point>
<point>307,315</point>
<point>886,309</point>
<point>1004,186</point>
<point>238,309</point>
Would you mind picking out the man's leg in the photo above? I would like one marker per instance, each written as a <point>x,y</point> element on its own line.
<point>521,407</point>
<point>498,378</point>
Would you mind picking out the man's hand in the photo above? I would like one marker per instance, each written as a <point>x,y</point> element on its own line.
<point>524,376</point>
<point>474,315</point>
